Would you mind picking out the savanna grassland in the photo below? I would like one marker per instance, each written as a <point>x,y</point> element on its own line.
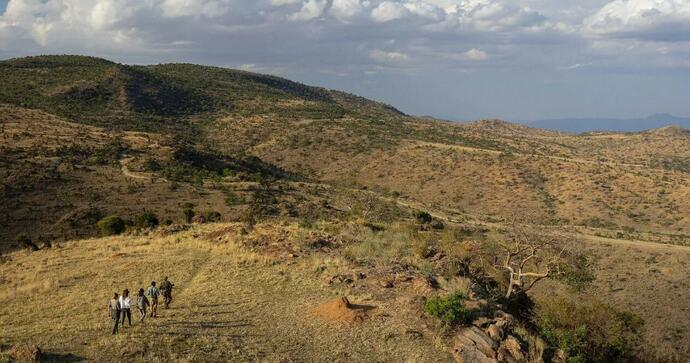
<point>265,198</point>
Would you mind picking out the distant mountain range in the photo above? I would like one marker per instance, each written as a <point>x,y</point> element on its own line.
<point>579,125</point>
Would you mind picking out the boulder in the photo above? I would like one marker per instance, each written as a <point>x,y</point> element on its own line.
<point>387,284</point>
<point>480,304</point>
<point>482,322</point>
<point>511,350</point>
<point>495,331</point>
<point>474,337</point>
<point>25,352</point>
<point>469,354</point>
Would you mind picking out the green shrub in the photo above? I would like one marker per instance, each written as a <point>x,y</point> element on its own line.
<point>146,220</point>
<point>24,241</point>
<point>449,309</point>
<point>423,217</point>
<point>588,331</point>
<point>188,211</point>
<point>578,274</point>
<point>306,223</point>
<point>111,225</point>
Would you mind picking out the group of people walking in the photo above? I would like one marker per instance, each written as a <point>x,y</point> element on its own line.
<point>119,307</point>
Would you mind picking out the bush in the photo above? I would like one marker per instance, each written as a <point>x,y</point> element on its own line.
<point>212,216</point>
<point>146,220</point>
<point>449,309</point>
<point>111,225</point>
<point>188,211</point>
<point>423,217</point>
<point>588,331</point>
<point>306,223</point>
<point>24,241</point>
<point>438,225</point>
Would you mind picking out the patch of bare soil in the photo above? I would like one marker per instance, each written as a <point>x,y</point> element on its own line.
<point>343,310</point>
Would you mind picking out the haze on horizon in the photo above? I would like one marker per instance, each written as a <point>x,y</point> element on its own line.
<point>455,59</point>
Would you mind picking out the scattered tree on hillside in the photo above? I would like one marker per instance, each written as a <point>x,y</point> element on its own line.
<point>529,257</point>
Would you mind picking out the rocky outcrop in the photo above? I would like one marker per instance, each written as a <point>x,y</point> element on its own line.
<point>488,339</point>
<point>472,344</point>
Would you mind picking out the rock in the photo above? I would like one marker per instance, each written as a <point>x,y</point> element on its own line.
<point>361,276</point>
<point>341,278</point>
<point>26,352</point>
<point>475,337</point>
<point>502,315</point>
<point>511,350</point>
<point>495,331</point>
<point>469,354</point>
<point>481,321</point>
<point>387,284</point>
<point>480,304</point>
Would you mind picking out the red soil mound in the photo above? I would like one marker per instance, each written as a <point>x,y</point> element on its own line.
<point>342,310</point>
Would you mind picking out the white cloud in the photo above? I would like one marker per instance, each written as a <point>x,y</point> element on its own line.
<point>389,11</point>
<point>208,8</point>
<point>285,2</point>
<point>387,57</point>
<point>311,9</point>
<point>656,20</point>
<point>346,9</point>
<point>476,55</point>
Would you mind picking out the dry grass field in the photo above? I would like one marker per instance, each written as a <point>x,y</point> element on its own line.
<point>230,304</point>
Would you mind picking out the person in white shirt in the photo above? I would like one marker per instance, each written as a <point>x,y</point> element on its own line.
<point>125,306</point>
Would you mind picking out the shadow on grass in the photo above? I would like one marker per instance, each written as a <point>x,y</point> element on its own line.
<point>58,357</point>
<point>208,324</point>
<point>361,307</point>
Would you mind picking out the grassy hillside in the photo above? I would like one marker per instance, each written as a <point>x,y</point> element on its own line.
<point>260,295</point>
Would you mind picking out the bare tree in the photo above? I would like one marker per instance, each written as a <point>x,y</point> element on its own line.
<point>529,256</point>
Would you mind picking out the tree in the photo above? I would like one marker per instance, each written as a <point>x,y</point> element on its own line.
<point>111,225</point>
<point>188,211</point>
<point>529,256</point>
<point>146,220</point>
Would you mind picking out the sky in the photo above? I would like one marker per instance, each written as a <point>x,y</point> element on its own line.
<point>453,59</point>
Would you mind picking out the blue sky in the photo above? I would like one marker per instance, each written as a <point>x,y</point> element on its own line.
<point>455,59</point>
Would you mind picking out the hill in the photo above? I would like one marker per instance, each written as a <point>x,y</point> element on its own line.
<point>579,125</point>
<point>84,138</point>
<point>627,183</point>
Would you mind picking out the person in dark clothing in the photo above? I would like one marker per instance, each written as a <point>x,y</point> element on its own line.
<point>125,306</point>
<point>166,289</point>
<point>114,311</point>
<point>142,304</point>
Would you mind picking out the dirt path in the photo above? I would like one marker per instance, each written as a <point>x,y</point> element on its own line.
<point>136,175</point>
